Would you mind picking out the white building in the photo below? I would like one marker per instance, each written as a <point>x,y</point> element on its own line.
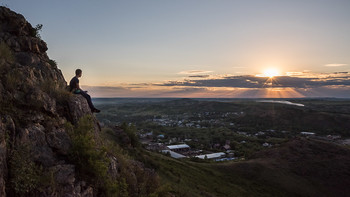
<point>307,133</point>
<point>212,155</point>
<point>174,154</point>
<point>179,147</point>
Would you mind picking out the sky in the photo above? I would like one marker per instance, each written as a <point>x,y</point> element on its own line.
<point>198,48</point>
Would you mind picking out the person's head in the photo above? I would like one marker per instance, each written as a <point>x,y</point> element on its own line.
<point>78,72</point>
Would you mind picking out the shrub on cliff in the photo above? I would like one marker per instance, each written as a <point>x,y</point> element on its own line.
<point>90,159</point>
<point>36,31</point>
<point>26,177</point>
<point>131,133</point>
<point>52,89</point>
<point>5,52</point>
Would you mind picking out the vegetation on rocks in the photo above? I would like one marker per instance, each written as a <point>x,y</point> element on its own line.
<point>5,52</point>
<point>90,159</point>
<point>53,89</point>
<point>25,175</point>
<point>92,155</point>
<point>36,31</point>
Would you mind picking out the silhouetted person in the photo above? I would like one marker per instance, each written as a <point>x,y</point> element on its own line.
<point>75,88</point>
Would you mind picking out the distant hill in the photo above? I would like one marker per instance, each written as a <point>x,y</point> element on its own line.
<point>318,115</point>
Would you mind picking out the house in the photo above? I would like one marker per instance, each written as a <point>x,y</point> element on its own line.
<point>307,133</point>
<point>160,136</point>
<point>173,154</point>
<point>146,135</point>
<point>155,146</point>
<point>333,137</point>
<point>216,146</point>
<point>212,156</point>
<point>260,133</point>
<point>227,147</point>
<point>266,144</point>
<point>179,147</point>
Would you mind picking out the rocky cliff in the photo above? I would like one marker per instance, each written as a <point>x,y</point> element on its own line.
<point>40,135</point>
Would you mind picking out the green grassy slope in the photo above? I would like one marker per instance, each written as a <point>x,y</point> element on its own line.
<point>301,167</point>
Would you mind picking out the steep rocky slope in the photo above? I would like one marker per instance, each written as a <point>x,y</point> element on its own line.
<point>40,130</point>
<point>33,112</point>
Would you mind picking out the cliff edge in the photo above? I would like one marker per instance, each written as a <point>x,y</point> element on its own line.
<point>35,114</point>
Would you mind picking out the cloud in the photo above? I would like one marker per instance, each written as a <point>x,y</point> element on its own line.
<point>245,86</point>
<point>335,65</point>
<point>250,81</point>
<point>194,72</point>
<point>199,76</point>
<point>294,73</point>
<point>221,92</point>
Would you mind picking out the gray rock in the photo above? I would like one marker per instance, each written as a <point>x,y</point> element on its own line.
<point>113,168</point>
<point>25,58</point>
<point>64,174</point>
<point>7,128</point>
<point>42,99</point>
<point>35,137</point>
<point>88,192</point>
<point>3,159</point>
<point>59,140</point>
<point>78,107</point>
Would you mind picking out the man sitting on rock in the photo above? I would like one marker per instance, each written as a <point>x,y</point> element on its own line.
<point>75,88</point>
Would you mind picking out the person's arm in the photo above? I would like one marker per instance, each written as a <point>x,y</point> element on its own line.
<point>78,88</point>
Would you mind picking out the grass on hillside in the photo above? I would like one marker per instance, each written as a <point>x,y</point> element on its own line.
<point>192,179</point>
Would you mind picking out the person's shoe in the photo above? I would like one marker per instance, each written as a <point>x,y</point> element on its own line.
<point>96,111</point>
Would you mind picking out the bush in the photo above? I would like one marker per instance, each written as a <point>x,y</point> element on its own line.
<point>51,88</point>
<point>53,63</point>
<point>24,174</point>
<point>90,159</point>
<point>5,52</point>
<point>131,133</point>
<point>36,31</point>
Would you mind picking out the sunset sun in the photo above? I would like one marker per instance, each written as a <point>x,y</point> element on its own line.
<point>271,72</point>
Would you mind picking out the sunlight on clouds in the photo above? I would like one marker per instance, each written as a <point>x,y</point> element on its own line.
<point>293,85</point>
<point>193,72</point>
<point>335,65</point>
<point>294,73</point>
<point>280,93</point>
<point>269,72</point>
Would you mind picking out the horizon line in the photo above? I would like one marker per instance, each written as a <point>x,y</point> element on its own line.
<point>219,98</point>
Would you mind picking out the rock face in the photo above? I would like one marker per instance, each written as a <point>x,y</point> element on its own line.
<point>34,111</point>
<point>78,107</point>
<point>6,124</point>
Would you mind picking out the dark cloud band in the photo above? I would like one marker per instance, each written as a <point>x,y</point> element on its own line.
<point>263,82</point>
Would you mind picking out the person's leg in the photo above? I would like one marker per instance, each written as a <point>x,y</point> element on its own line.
<point>88,98</point>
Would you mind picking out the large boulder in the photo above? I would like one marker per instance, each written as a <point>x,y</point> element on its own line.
<point>79,108</point>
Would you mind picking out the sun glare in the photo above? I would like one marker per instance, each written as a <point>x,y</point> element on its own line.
<point>271,72</point>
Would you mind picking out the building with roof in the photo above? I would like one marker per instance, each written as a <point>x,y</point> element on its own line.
<point>307,133</point>
<point>174,154</point>
<point>212,155</point>
<point>179,147</point>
